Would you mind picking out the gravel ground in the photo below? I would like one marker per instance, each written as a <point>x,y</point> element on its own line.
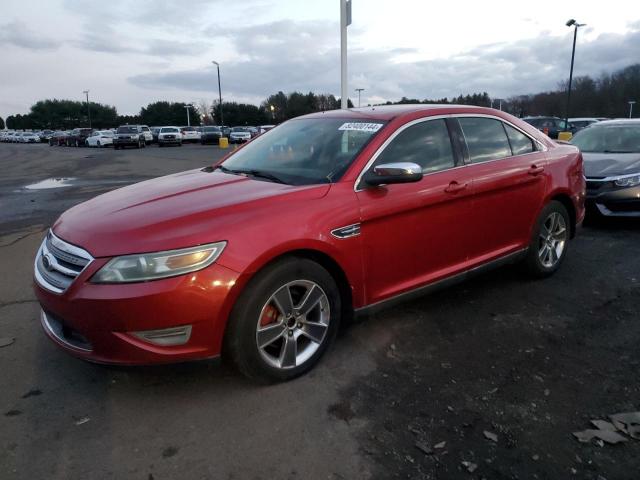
<point>496,372</point>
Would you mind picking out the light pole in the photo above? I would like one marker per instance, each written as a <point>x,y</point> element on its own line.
<point>631,104</point>
<point>576,25</point>
<point>219,92</point>
<point>188,119</point>
<point>345,21</point>
<point>359,90</point>
<point>273,113</point>
<point>86,92</point>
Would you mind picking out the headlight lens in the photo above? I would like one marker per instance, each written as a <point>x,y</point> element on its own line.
<point>628,181</point>
<point>152,266</point>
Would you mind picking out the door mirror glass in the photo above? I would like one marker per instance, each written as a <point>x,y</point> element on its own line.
<point>388,173</point>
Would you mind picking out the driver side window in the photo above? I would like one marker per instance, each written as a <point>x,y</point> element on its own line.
<point>426,144</point>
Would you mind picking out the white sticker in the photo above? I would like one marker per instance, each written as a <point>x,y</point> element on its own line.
<point>361,127</point>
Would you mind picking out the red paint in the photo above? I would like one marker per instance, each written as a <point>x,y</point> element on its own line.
<point>411,235</point>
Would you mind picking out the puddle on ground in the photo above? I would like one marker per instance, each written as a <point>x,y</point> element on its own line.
<point>61,182</point>
<point>51,183</point>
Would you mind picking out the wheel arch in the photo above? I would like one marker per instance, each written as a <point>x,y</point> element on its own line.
<point>326,261</point>
<point>565,199</point>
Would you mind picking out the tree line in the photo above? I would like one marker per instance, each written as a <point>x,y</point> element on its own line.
<point>605,96</point>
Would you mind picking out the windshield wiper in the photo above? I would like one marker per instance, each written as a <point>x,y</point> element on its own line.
<point>617,151</point>
<point>253,173</point>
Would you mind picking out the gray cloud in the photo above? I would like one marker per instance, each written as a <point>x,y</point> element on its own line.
<point>18,33</point>
<point>288,55</point>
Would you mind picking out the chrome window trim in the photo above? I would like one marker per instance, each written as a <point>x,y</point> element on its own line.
<point>386,143</point>
<point>613,178</point>
<point>541,147</point>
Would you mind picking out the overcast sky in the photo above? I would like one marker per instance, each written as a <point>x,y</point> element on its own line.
<point>129,54</point>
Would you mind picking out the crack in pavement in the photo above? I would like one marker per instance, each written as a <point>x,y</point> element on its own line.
<point>26,235</point>
<point>17,302</point>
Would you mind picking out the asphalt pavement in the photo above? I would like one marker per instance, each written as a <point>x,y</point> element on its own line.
<point>407,393</point>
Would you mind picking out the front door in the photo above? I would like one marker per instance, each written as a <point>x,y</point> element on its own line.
<point>415,233</point>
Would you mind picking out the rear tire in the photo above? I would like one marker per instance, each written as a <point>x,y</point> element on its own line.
<point>549,241</point>
<point>288,350</point>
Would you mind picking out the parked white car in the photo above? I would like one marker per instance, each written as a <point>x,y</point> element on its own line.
<point>29,137</point>
<point>239,135</point>
<point>100,138</point>
<point>170,136</point>
<point>190,134</point>
<point>264,128</point>
<point>583,122</point>
<point>148,136</point>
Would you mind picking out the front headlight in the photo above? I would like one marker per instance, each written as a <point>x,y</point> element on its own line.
<point>629,181</point>
<point>152,266</point>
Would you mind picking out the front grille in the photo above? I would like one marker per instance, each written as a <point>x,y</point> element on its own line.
<point>58,263</point>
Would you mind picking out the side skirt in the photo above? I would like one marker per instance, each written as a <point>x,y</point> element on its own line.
<point>440,284</point>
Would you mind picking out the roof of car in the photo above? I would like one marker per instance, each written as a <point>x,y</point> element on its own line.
<point>388,112</point>
<point>618,121</point>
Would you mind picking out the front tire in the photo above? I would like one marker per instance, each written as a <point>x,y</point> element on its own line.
<point>549,241</point>
<point>284,321</point>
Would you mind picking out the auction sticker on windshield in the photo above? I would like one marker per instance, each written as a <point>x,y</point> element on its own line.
<point>361,127</point>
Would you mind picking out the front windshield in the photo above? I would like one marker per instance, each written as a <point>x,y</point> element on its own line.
<point>169,130</point>
<point>127,130</point>
<point>609,139</point>
<point>305,151</point>
<point>211,129</point>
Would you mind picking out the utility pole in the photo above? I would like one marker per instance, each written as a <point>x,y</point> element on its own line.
<point>86,92</point>
<point>345,21</point>
<point>576,25</point>
<point>188,119</point>
<point>219,93</point>
<point>359,90</point>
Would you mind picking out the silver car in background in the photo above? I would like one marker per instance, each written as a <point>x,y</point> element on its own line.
<point>611,151</point>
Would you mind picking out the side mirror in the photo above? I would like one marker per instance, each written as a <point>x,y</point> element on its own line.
<point>388,173</point>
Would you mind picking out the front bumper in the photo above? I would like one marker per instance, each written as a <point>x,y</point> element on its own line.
<point>97,322</point>
<point>613,201</point>
<point>126,142</point>
<point>169,141</point>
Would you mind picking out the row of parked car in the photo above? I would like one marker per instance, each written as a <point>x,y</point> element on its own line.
<point>552,126</point>
<point>135,136</point>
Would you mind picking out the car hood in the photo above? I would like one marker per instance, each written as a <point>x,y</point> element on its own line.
<point>610,164</point>
<point>176,211</point>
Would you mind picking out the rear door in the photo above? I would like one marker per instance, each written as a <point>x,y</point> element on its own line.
<point>415,233</point>
<point>509,185</point>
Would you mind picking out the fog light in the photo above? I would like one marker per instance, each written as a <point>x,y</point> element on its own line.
<point>167,336</point>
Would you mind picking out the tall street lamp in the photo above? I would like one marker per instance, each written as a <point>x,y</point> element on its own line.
<point>188,119</point>
<point>576,25</point>
<point>359,90</point>
<point>631,104</point>
<point>219,93</point>
<point>86,92</point>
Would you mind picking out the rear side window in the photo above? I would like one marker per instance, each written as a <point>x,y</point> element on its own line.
<point>520,143</point>
<point>486,139</point>
<point>426,144</point>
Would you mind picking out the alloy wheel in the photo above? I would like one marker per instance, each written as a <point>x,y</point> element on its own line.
<point>552,240</point>
<point>293,324</point>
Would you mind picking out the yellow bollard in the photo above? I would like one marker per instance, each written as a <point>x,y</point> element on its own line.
<point>565,136</point>
<point>224,142</point>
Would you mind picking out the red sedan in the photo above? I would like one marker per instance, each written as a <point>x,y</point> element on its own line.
<point>261,256</point>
